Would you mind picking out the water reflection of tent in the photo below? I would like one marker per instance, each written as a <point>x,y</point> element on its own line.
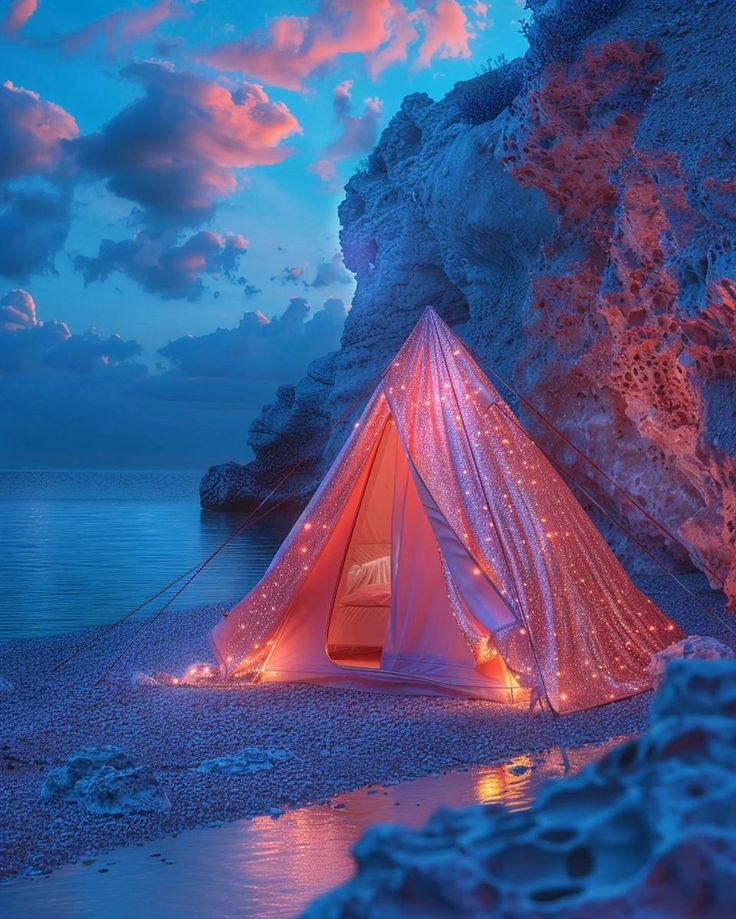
<point>443,554</point>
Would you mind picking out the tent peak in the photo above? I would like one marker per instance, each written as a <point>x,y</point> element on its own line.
<point>431,318</point>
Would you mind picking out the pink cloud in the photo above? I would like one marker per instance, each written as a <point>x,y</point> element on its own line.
<point>19,13</point>
<point>162,265</point>
<point>17,311</point>
<point>480,12</point>
<point>325,169</point>
<point>446,33</point>
<point>32,133</point>
<point>175,149</point>
<point>294,48</point>
<point>358,135</point>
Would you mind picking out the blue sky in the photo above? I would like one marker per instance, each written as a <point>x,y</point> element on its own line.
<point>95,123</point>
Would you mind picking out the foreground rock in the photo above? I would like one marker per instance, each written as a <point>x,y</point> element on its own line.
<point>694,647</point>
<point>246,762</point>
<point>106,781</point>
<point>649,830</point>
<point>574,215</point>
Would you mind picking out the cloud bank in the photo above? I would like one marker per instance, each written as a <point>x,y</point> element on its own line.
<point>70,399</point>
<point>261,350</point>
<point>293,48</point>
<point>30,346</point>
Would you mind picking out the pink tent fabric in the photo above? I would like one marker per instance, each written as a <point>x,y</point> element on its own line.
<point>499,583</point>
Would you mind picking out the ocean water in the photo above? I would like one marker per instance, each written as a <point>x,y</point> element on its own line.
<point>81,548</point>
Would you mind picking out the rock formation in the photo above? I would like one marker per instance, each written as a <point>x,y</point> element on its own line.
<point>106,781</point>
<point>574,216</point>
<point>649,830</point>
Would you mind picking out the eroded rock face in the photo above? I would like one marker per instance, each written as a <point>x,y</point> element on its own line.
<point>649,830</point>
<point>583,242</point>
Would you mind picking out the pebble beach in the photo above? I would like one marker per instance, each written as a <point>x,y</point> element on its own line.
<point>336,740</point>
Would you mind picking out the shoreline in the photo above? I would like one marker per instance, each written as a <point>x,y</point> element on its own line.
<point>339,740</point>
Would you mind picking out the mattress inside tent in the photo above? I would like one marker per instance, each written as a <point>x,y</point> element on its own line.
<point>362,607</point>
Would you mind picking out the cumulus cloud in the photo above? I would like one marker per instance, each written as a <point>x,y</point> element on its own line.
<point>17,311</point>
<point>32,133</point>
<point>35,181</point>
<point>30,346</point>
<point>446,33</point>
<point>358,132</point>
<point>294,48</point>
<point>175,150</point>
<point>332,272</point>
<point>261,350</point>
<point>19,12</point>
<point>161,266</point>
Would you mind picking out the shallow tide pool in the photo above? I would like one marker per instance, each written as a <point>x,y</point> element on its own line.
<point>267,868</point>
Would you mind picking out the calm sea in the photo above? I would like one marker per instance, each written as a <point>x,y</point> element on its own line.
<point>81,548</point>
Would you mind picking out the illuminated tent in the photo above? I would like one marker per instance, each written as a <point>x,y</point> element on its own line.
<point>443,554</point>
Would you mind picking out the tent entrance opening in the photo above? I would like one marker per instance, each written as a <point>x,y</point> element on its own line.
<point>359,621</point>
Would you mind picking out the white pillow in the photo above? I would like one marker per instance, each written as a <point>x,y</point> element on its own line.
<point>376,572</point>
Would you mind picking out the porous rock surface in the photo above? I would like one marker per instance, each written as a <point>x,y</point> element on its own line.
<point>582,239</point>
<point>106,781</point>
<point>247,761</point>
<point>694,647</point>
<point>649,830</point>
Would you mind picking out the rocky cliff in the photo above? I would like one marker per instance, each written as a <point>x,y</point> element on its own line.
<point>574,216</point>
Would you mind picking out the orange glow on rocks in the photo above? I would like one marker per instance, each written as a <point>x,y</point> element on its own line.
<point>627,339</point>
